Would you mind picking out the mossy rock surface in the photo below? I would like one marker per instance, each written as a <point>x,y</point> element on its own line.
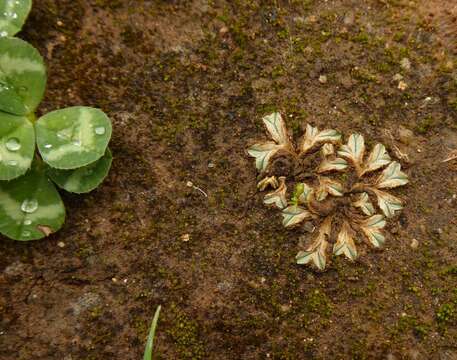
<point>186,84</point>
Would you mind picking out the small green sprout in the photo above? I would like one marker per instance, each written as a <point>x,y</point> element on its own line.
<point>150,342</point>
<point>72,143</point>
<point>356,204</point>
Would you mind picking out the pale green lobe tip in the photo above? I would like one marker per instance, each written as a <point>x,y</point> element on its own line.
<point>13,14</point>
<point>17,145</point>
<point>30,207</point>
<point>17,65</point>
<point>84,179</point>
<point>22,76</point>
<point>71,138</point>
<point>3,25</point>
<point>83,139</point>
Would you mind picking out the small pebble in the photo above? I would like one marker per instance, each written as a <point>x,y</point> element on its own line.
<point>402,85</point>
<point>405,135</point>
<point>349,18</point>
<point>189,184</point>
<point>61,244</point>
<point>311,19</point>
<point>405,64</point>
<point>414,244</point>
<point>323,79</point>
<point>185,237</point>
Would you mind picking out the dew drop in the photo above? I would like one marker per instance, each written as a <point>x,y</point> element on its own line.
<point>13,144</point>
<point>27,222</point>
<point>29,206</point>
<point>77,142</point>
<point>4,86</point>
<point>26,233</point>
<point>65,134</point>
<point>10,14</point>
<point>48,146</point>
<point>100,130</point>
<point>3,34</point>
<point>12,162</point>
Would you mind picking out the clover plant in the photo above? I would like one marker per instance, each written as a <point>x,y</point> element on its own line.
<point>337,188</point>
<point>72,143</point>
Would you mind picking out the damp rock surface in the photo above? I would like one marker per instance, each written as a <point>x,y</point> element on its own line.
<point>186,84</point>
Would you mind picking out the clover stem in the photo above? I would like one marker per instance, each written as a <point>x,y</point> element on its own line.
<point>31,117</point>
<point>38,160</point>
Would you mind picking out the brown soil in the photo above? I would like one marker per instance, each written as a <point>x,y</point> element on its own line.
<point>186,84</point>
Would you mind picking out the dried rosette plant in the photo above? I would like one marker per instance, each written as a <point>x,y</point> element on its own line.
<point>339,188</point>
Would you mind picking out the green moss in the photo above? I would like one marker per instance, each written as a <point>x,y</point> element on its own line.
<point>446,314</point>
<point>186,337</point>
<point>85,251</point>
<point>410,323</point>
<point>277,71</point>
<point>96,313</point>
<point>319,303</point>
<point>141,327</point>
<point>425,125</point>
<point>383,67</point>
<point>450,270</point>
<point>453,104</point>
<point>109,4</point>
<point>364,75</point>
<point>361,37</point>
<point>399,36</point>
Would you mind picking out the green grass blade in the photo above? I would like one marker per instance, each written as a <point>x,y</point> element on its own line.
<point>150,342</point>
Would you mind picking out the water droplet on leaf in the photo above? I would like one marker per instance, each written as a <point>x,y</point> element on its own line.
<point>27,222</point>
<point>48,146</point>
<point>29,206</point>
<point>13,144</point>
<point>4,86</point>
<point>64,134</point>
<point>100,130</point>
